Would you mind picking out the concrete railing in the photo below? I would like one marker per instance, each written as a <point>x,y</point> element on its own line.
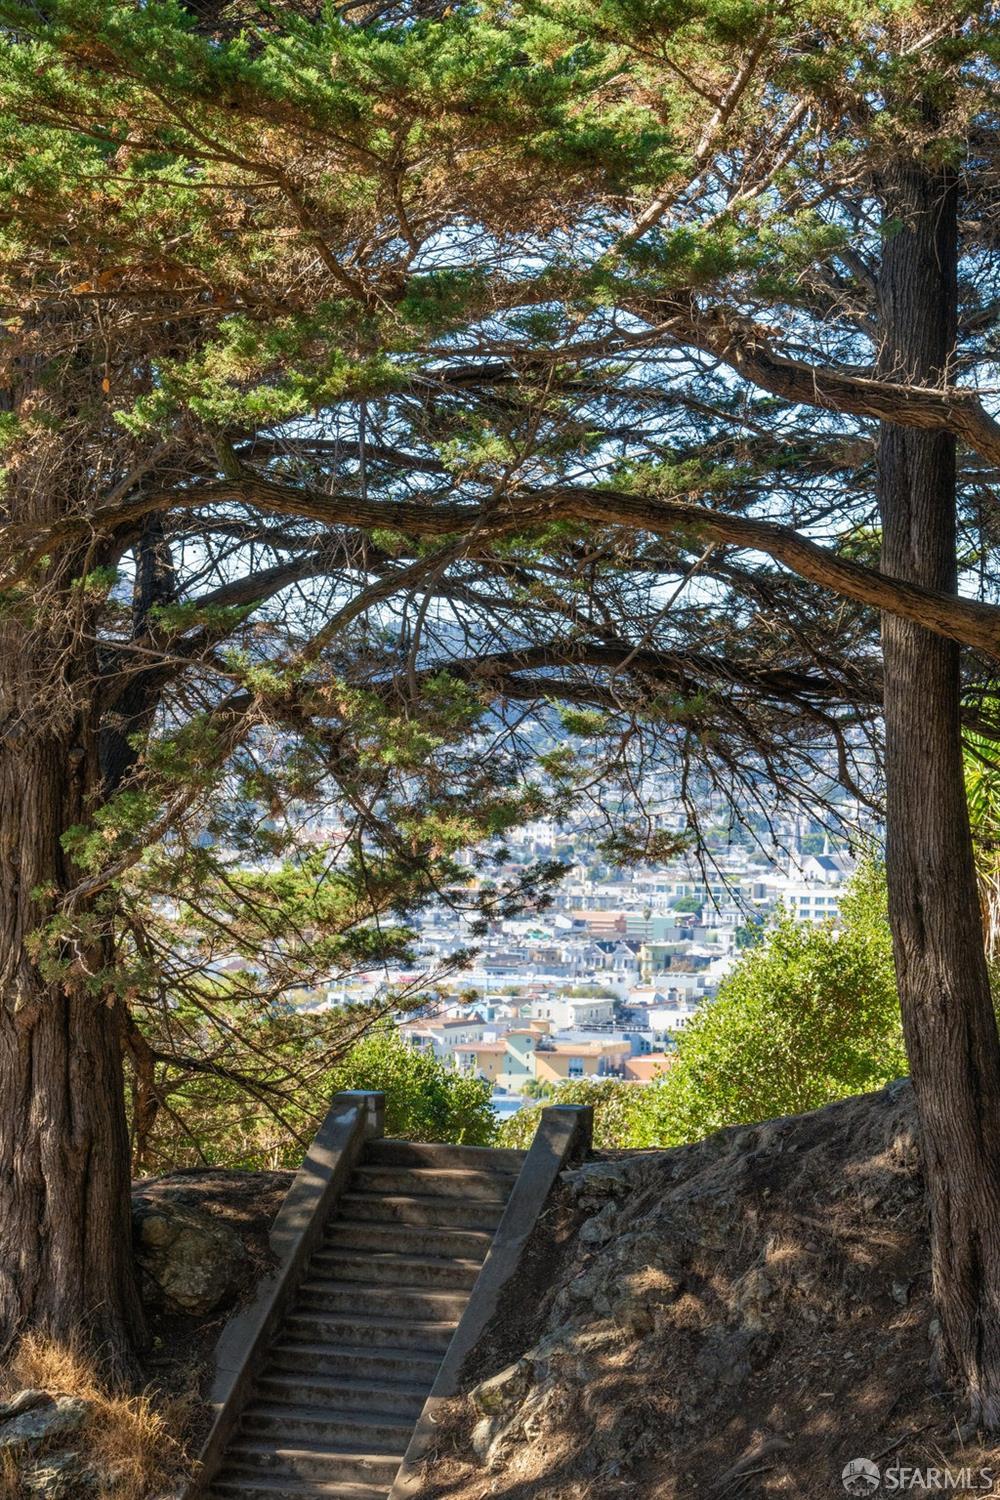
<point>353,1118</point>
<point>564,1134</point>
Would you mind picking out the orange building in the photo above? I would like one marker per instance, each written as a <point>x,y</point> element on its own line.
<point>649,1065</point>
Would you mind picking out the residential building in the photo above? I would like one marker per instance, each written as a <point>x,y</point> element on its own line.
<point>531,1053</point>
<point>571,1010</point>
<point>648,1066</point>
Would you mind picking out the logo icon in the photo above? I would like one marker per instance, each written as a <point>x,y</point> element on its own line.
<point>861,1477</point>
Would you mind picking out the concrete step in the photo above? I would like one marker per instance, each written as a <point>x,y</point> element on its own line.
<point>400,1302</point>
<point>277,1387</point>
<point>392,1268</point>
<point>315,1425</point>
<point>423,1209</point>
<point>310,1461</point>
<point>273,1487</point>
<point>344,1382</point>
<point>427,1335</point>
<point>348,1362</point>
<point>440,1182</point>
<point>389,1153</point>
<point>350,1234</point>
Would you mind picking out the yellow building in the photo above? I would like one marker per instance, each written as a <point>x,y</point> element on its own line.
<point>485,1059</point>
<point>560,1060</point>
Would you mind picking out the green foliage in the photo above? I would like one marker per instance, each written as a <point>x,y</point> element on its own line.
<point>582,722</point>
<point>617,1106</point>
<point>687,904</point>
<point>255,1101</point>
<point>631,845</point>
<point>536,1088</point>
<point>243,247</point>
<point>809,1015</point>
<point>982,791</point>
<point>425,1098</point>
<point>259,1104</point>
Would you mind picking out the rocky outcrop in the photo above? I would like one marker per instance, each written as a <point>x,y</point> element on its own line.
<point>62,1476</point>
<point>191,1262</point>
<point>32,1423</point>
<point>32,1418</point>
<point>750,1312</point>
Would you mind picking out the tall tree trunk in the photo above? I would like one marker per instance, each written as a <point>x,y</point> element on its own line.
<point>65,1233</point>
<point>948,1019</point>
<point>66,1266</point>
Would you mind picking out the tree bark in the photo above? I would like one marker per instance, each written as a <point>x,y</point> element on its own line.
<point>66,1265</point>
<point>65,1226</point>
<point>948,1018</point>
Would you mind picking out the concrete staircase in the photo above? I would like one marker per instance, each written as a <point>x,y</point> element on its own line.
<point>335,1401</point>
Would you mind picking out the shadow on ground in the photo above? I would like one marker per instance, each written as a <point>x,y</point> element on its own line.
<point>737,1319</point>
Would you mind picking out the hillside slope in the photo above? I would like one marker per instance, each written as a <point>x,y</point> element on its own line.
<point>738,1318</point>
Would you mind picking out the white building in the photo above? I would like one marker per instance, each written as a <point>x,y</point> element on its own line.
<point>569,1011</point>
<point>442,1037</point>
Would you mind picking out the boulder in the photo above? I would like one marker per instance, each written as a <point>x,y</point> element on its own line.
<point>753,1297</point>
<point>23,1401</point>
<point>53,1416</point>
<point>504,1392</point>
<point>600,1227</point>
<point>59,1476</point>
<point>640,1298</point>
<point>190,1261</point>
<point>597,1182</point>
<point>482,1436</point>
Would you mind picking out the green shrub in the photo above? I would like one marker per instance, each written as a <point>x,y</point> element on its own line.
<point>425,1098</point>
<point>614,1103</point>
<point>807,1016</point>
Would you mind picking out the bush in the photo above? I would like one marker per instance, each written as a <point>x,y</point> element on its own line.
<point>214,1120</point>
<point>425,1098</point>
<point>614,1103</point>
<point>687,904</point>
<point>808,1016</point>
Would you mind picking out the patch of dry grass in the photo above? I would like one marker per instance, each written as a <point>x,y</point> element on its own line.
<point>10,1485</point>
<point>138,1441</point>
